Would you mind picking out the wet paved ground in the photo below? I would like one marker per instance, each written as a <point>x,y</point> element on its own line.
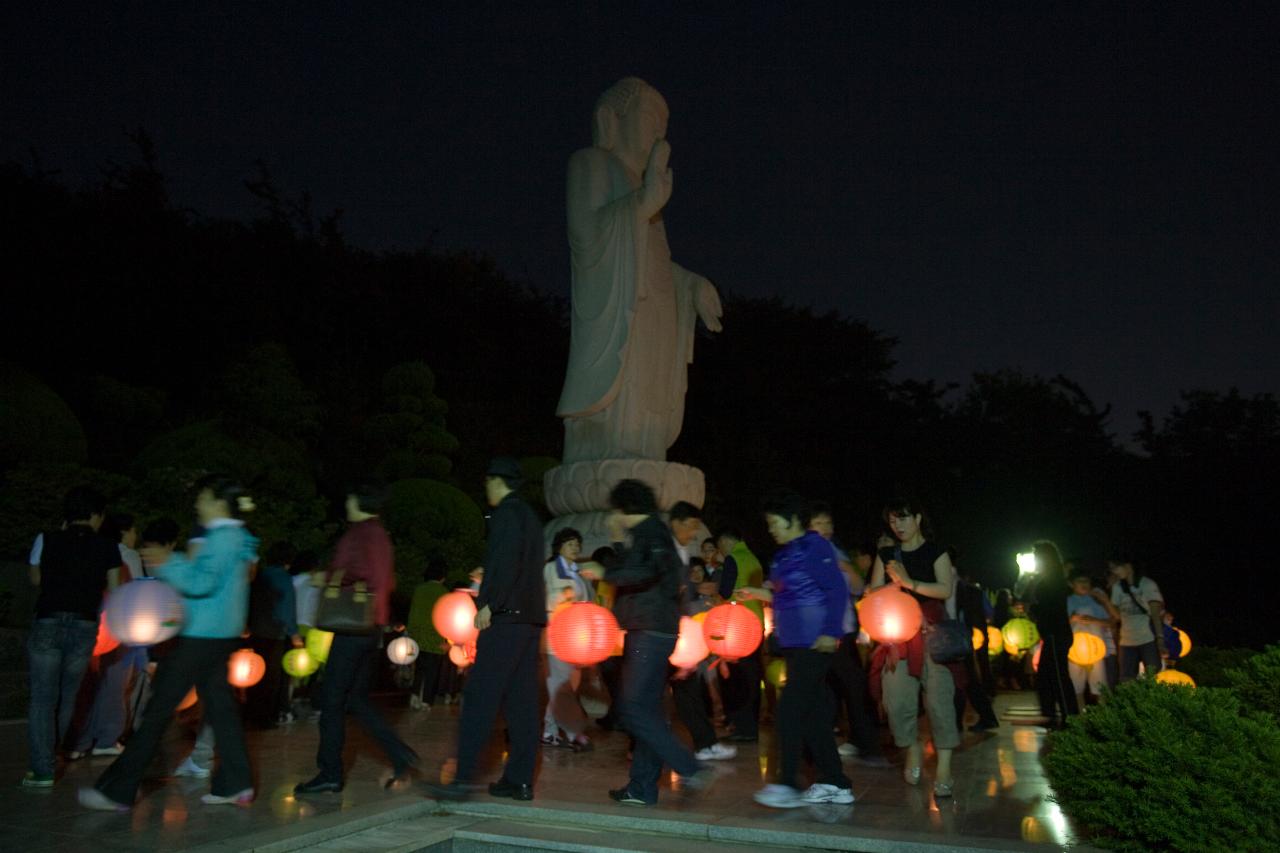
<point>1000,793</point>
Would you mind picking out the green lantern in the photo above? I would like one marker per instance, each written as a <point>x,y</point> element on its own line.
<point>1021,633</point>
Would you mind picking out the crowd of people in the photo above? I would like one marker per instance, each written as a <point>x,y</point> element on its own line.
<point>659,568</point>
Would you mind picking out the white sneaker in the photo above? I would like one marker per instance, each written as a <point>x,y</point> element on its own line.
<point>717,752</point>
<point>241,798</point>
<point>114,749</point>
<point>779,797</point>
<point>847,749</point>
<point>191,770</point>
<point>820,793</point>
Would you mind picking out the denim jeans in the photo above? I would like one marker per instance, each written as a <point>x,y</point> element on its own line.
<point>644,685</point>
<point>58,652</point>
<point>1145,654</point>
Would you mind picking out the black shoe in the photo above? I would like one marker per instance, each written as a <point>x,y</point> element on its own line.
<point>318,785</point>
<point>453,791</point>
<point>626,798</point>
<point>606,722</point>
<point>984,726</point>
<point>743,738</point>
<point>503,788</point>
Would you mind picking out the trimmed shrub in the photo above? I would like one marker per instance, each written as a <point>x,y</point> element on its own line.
<point>1208,665</point>
<point>1169,768</point>
<point>1257,683</point>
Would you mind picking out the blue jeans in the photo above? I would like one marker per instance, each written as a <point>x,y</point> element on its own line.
<point>1145,654</point>
<point>644,685</point>
<point>58,652</point>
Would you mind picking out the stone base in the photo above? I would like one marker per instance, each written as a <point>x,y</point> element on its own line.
<point>578,493</point>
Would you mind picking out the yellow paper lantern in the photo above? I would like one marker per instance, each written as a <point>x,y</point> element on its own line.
<point>1186,642</point>
<point>245,668</point>
<point>776,672</point>
<point>1175,678</point>
<point>995,641</point>
<point>319,643</point>
<point>402,651</point>
<point>1021,633</point>
<point>700,617</point>
<point>978,636</point>
<point>299,663</point>
<point>1086,649</point>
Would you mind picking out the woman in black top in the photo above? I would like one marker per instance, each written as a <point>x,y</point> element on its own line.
<point>1049,610</point>
<point>923,570</point>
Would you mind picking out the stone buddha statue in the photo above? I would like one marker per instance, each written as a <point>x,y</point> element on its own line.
<point>634,309</point>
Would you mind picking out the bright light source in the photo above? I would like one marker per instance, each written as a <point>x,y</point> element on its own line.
<point>1026,563</point>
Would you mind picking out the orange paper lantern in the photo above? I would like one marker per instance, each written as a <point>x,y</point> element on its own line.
<point>732,631</point>
<point>1175,678</point>
<point>995,640</point>
<point>106,640</point>
<point>690,648</point>
<point>1086,649</point>
<point>889,615</point>
<point>582,633</point>
<point>978,636</point>
<point>188,700</point>
<point>462,656</point>
<point>454,616</point>
<point>245,668</point>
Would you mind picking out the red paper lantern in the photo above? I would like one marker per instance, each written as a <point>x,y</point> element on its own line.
<point>245,668</point>
<point>889,615</point>
<point>1035,658</point>
<point>454,617</point>
<point>106,640</point>
<point>582,633</point>
<point>690,648</point>
<point>732,631</point>
<point>463,656</point>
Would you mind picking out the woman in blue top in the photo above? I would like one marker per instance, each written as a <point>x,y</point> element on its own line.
<point>214,585</point>
<point>809,597</point>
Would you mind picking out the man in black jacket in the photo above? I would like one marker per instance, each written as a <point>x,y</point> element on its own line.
<point>511,612</point>
<point>648,574</point>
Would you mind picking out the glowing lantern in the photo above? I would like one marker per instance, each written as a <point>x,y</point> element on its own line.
<point>245,668</point>
<point>402,650</point>
<point>978,636</point>
<point>1086,649</point>
<point>1021,633</point>
<point>890,615</point>
<point>188,700</point>
<point>106,640</point>
<point>144,612</point>
<point>776,672</point>
<point>1026,563</point>
<point>582,633</point>
<point>768,621</point>
<point>1175,678</point>
<point>462,656</point>
<point>300,663</point>
<point>732,631</point>
<point>318,644</point>
<point>1186,642</point>
<point>454,616</point>
<point>995,640</point>
<point>700,617</point>
<point>690,648</point>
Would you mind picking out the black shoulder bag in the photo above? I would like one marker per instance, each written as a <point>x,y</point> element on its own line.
<point>948,641</point>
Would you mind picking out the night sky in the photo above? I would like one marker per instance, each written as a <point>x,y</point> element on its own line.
<point>1091,191</point>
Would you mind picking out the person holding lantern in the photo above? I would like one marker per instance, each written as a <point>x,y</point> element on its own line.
<point>565,583</point>
<point>1141,606</point>
<point>900,670</point>
<point>214,585</point>
<point>1049,592</point>
<point>647,574</point>
<point>741,689</point>
<point>363,554</point>
<point>1091,612</point>
<point>511,613</point>
<point>810,597</point>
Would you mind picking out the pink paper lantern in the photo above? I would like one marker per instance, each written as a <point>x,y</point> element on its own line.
<point>454,617</point>
<point>889,615</point>
<point>691,647</point>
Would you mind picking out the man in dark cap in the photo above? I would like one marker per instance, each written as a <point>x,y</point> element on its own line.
<point>511,612</point>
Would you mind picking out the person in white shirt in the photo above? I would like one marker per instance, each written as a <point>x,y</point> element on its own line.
<point>1141,607</point>
<point>565,584</point>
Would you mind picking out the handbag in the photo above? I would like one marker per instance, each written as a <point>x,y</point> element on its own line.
<point>346,609</point>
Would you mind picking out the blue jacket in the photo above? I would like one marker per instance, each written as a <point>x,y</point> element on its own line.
<point>215,585</point>
<point>809,592</point>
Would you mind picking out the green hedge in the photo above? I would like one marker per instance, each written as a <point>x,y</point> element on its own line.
<point>1208,665</point>
<point>1256,682</point>
<point>1169,768</point>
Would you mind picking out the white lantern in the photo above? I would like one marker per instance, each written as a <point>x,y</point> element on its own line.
<point>402,650</point>
<point>144,612</point>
